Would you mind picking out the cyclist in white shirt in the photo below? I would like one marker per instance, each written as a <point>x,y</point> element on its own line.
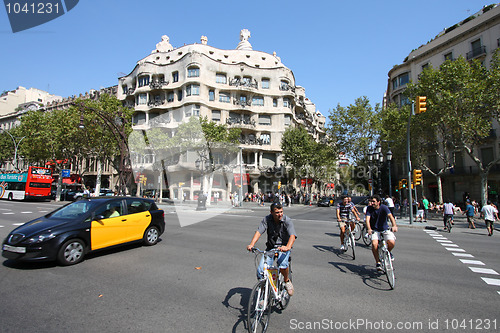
<point>490,214</point>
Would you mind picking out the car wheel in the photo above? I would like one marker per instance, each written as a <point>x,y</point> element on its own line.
<point>151,236</point>
<point>71,252</point>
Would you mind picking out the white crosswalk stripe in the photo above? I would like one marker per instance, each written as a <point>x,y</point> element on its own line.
<point>458,252</point>
<point>483,270</point>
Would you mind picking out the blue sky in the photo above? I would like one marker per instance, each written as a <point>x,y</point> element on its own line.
<point>338,50</point>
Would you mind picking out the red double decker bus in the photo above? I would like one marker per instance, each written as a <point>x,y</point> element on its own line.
<point>33,184</point>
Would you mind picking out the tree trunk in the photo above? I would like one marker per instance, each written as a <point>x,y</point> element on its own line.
<point>484,187</point>
<point>97,190</point>
<point>440,189</point>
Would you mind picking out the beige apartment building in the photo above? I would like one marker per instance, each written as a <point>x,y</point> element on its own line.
<point>476,37</point>
<point>242,87</point>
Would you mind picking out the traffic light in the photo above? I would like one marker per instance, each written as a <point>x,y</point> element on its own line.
<point>417,176</point>
<point>396,188</point>
<point>421,104</point>
<point>404,183</point>
<point>400,185</point>
<point>279,185</point>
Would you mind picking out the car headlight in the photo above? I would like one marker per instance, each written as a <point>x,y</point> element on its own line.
<point>41,238</point>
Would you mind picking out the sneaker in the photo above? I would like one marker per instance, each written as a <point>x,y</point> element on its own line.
<point>342,247</point>
<point>379,267</point>
<point>289,287</point>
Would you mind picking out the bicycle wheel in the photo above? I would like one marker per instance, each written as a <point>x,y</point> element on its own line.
<point>389,270</point>
<point>259,309</point>
<point>366,238</point>
<point>285,297</point>
<point>448,224</point>
<point>357,231</point>
<point>353,245</point>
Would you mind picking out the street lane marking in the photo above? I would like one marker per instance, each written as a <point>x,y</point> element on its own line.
<point>444,241</point>
<point>463,255</point>
<point>17,223</point>
<point>472,262</point>
<point>493,282</point>
<point>446,244</point>
<point>26,212</point>
<point>8,213</point>
<point>483,270</point>
<point>454,249</point>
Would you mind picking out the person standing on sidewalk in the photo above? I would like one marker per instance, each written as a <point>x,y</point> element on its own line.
<point>425,203</point>
<point>490,214</point>
<point>469,212</point>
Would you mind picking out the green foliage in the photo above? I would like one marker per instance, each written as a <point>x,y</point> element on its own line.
<point>354,128</point>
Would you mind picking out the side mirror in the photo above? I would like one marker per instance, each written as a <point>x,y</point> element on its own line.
<point>99,217</point>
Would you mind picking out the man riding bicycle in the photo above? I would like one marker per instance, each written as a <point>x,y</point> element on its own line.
<point>281,235</point>
<point>376,225</point>
<point>344,210</point>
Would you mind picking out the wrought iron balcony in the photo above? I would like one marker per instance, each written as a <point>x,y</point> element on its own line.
<point>158,84</point>
<point>477,52</point>
<point>238,82</point>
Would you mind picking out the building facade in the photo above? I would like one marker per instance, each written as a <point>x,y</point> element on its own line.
<point>476,37</point>
<point>243,88</point>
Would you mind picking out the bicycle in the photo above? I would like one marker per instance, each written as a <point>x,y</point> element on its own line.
<point>349,240</point>
<point>386,261</point>
<point>269,291</point>
<point>448,219</point>
<point>366,237</point>
<point>357,231</point>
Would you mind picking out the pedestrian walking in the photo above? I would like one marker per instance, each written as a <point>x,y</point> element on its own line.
<point>490,214</point>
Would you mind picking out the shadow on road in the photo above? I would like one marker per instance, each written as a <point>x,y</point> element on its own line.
<point>369,275</point>
<point>244,295</point>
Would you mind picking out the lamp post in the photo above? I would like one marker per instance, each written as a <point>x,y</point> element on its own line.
<point>379,158</point>
<point>370,180</point>
<point>202,165</point>
<point>389,159</point>
<point>16,146</point>
<point>118,127</point>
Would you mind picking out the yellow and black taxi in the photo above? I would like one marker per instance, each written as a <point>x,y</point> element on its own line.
<point>73,230</point>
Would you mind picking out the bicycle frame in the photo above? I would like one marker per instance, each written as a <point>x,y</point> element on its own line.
<point>271,275</point>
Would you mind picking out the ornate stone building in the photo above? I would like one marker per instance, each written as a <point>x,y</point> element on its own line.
<point>243,88</point>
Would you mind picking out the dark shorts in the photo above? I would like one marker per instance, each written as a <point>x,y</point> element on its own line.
<point>489,223</point>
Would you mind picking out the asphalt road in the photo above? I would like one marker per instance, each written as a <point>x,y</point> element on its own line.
<point>199,277</point>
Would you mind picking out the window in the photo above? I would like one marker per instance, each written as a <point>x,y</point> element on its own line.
<point>286,102</point>
<point>125,89</point>
<point>193,72</point>
<point>193,90</point>
<point>264,119</point>
<point>284,85</point>
<point>448,56</point>
<point>246,81</point>
<point>265,83</point>
<point>170,97</point>
<point>211,95</point>
<point>188,112</point>
<point>196,110</point>
<point>288,120</point>
<point>275,102</point>
<point>143,80</point>
<point>175,76</point>
<point>139,118</point>
<point>179,95</point>
<point>401,80</point>
<point>142,99</point>
<point>216,115</point>
<point>258,100</point>
<point>243,100</point>
<point>265,139</point>
<point>224,97</point>
<point>221,78</point>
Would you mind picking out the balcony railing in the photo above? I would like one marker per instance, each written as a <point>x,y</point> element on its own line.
<point>237,82</point>
<point>158,84</point>
<point>477,52</point>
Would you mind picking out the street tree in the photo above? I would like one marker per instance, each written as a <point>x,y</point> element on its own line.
<point>353,129</point>
<point>462,106</point>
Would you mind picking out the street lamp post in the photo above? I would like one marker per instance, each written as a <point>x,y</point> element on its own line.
<point>118,128</point>
<point>202,165</point>
<point>379,159</point>
<point>16,146</point>
<point>370,180</point>
<point>389,159</point>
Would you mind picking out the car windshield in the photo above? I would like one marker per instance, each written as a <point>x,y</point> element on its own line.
<point>74,210</point>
